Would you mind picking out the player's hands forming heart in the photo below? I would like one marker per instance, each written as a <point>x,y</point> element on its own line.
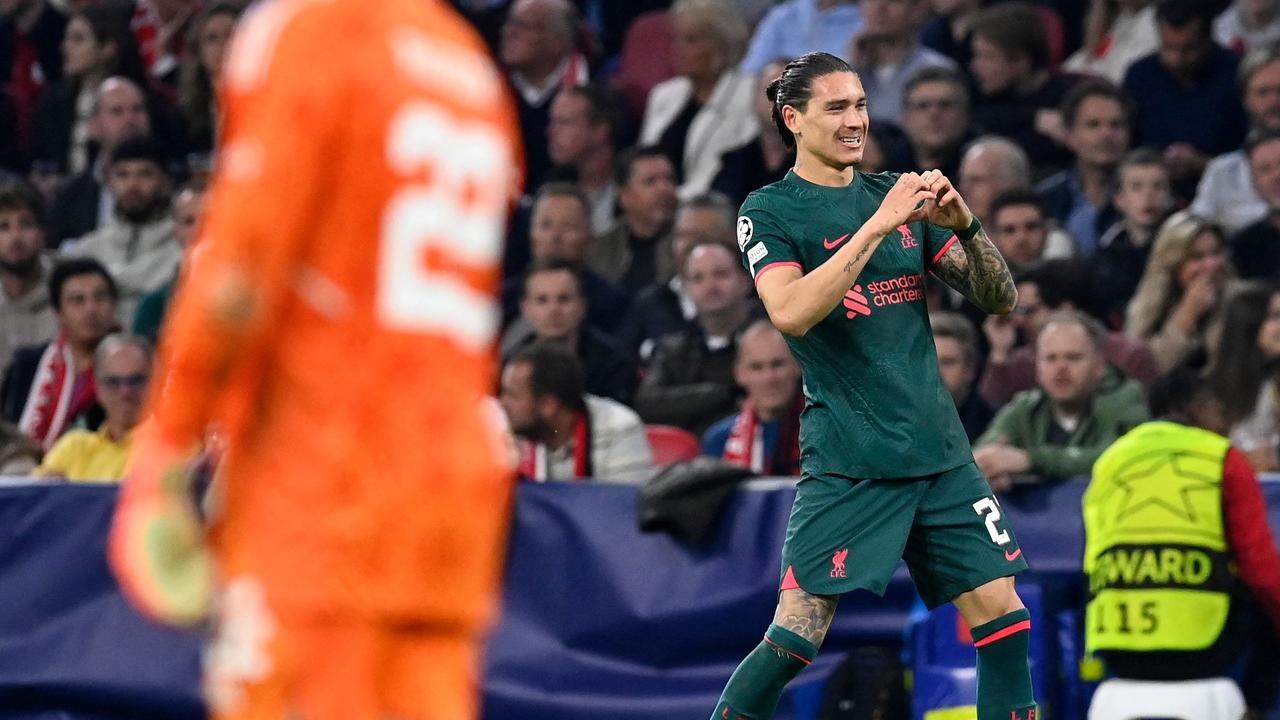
<point>946,208</point>
<point>907,201</point>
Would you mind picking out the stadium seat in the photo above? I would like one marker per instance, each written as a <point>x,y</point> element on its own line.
<point>1078,674</point>
<point>1055,32</point>
<point>645,59</point>
<point>945,663</point>
<point>672,444</point>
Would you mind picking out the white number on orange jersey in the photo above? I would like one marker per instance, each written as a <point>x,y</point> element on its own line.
<point>452,204</point>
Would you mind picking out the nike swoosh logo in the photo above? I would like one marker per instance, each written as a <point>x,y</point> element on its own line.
<point>1011,556</point>
<point>832,244</point>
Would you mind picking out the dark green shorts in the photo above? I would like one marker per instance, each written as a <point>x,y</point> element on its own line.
<point>846,534</point>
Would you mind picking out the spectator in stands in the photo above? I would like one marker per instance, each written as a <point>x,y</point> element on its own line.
<point>553,309</point>
<point>83,204</point>
<point>138,246</point>
<point>764,160</point>
<point>764,435</point>
<point>188,205</point>
<point>1248,25</point>
<point>49,388</point>
<point>121,371</point>
<point>1172,88</point>
<point>207,43</point>
<point>957,347</point>
<point>26,317</point>
<point>1226,194</point>
<point>705,110</point>
<point>31,33</point>
<point>1176,489</point>
<point>1020,230</point>
<point>1116,33</point>
<point>689,382</point>
<point>886,52</point>
<point>537,48</point>
<point>566,433</point>
<point>580,142</point>
<point>97,45</point>
<point>662,308</point>
<point>947,32</point>
<point>561,231</point>
<point>1143,198</point>
<point>935,118</point>
<point>991,165</point>
<point>795,27</point>
<point>1014,86</point>
<point>637,250</point>
<point>1181,290</point>
<point>1242,372</point>
<point>1079,407</point>
<point>1256,247</point>
<point>18,454</point>
<point>1096,115</point>
<point>1052,286</point>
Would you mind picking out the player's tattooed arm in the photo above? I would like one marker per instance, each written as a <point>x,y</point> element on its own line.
<point>806,615</point>
<point>975,269</point>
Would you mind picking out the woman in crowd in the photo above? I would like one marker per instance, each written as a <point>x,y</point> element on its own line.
<point>1245,369</point>
<point>1178,299</point>
<point>1116,32</point>
<point>705,111</point>
<point>201,64</point>
<point>97,45</point>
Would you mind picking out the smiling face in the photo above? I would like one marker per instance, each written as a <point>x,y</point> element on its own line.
<point>832,125</point>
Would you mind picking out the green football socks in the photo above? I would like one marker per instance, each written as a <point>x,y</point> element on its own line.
<point>756,686</point>
<point>1004,674</point>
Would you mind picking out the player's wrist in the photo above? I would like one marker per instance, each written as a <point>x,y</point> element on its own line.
<point>970,227</point>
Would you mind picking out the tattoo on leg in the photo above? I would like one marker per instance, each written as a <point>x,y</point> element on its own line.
<point>808,616</point>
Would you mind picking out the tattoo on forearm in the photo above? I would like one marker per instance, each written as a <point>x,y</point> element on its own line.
<point>808,616</point>
<point>849,266</point>
<point>980,274</point>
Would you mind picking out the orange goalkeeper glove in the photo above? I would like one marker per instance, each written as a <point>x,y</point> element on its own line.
<point>157,547</point>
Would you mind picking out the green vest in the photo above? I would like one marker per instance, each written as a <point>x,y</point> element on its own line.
<point>1155,551</point>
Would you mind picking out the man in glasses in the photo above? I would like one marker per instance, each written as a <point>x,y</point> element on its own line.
<point>935,119</point>
<point>122,368</point>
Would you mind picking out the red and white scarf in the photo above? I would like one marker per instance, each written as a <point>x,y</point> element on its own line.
<point>745,446</point>
<point>57,395</point>
<point>533,455</point>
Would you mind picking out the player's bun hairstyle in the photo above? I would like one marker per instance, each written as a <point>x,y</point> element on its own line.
<point>794,86</point>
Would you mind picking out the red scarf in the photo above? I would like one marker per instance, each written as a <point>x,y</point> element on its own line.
<point>533,456</point>
<point>57,395</point>
<point>745,446</point>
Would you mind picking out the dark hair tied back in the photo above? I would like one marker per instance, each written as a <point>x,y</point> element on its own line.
<point>794,86</point>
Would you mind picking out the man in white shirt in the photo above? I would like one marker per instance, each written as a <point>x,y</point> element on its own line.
<point>564,433</point>
<point>1226,192</point>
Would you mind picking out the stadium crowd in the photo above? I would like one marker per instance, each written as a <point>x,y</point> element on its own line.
<point>1123,154</point>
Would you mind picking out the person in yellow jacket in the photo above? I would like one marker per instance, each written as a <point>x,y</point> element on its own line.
<point>1176,542</point>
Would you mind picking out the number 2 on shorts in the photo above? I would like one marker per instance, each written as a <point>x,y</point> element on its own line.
<point>988,506</point>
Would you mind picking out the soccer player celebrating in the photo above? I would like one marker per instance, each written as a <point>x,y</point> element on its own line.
<point>336,326</point>
<point>838,258</point>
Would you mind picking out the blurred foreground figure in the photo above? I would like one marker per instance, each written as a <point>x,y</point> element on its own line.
<point>335,328</point>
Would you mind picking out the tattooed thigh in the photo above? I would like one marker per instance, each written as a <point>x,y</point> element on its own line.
<point>806,615</point>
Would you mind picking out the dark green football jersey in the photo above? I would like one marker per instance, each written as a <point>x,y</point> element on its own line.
<point>876,406</point>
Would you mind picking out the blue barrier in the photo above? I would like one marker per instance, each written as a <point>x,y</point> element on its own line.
<point>600,620</point>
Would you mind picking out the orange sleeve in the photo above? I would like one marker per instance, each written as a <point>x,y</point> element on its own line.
<point>282,91</point>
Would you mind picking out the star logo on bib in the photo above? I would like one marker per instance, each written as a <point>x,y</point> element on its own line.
<point>1149,496</point>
